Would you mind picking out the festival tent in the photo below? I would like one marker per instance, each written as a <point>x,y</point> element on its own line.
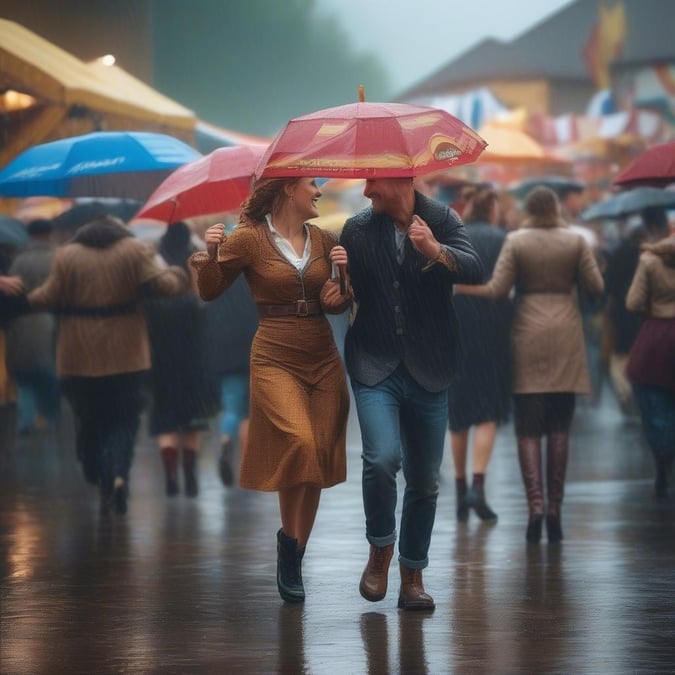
<point>49,94</point>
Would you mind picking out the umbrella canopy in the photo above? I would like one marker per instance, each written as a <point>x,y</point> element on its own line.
<point>84,212</point>
<point>216,183</point>
<point>12,232</point>
<point>506,144</point>
<point>559,184</point>
<point>632,201</point>
<point>100,164</point>
<point>370,140</point>
<point>654,167</point>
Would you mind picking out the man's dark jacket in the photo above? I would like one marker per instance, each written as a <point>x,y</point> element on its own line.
<point>405,315</point>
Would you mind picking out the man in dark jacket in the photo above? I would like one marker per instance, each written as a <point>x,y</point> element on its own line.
<point>405,253</point>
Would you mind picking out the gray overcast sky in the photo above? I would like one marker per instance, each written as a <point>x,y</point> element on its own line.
<point>414,38</point>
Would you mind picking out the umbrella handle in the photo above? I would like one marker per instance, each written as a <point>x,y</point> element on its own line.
<point>341,278</point>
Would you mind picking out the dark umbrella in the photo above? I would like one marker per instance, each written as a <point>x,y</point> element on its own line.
<point>633,201</point>
<point>559,184</point>
<point>85,212</point>
<point>12,232</point>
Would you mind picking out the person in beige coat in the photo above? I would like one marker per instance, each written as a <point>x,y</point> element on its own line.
<point>95,287</point>
<point>546,262</point>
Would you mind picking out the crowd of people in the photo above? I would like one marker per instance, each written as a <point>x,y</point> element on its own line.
<point>459,320</point>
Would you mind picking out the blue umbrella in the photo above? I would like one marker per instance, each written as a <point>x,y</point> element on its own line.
<point>12,232</point>
<point>123,164</point>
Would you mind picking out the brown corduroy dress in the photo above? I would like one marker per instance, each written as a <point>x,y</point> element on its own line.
<point>299,400</point>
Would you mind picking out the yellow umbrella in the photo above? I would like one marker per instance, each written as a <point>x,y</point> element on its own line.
<point>507,144</point>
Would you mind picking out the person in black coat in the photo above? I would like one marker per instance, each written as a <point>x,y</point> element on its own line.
<point>480,391</point>
<point>405,252</point>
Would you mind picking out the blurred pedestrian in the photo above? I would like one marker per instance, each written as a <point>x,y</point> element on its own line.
<point>299,401</point>
<point>231,321</point>
<point>480,389</point>
<point>31,339</point>
<point>182,392</point>
<point>12,304</point>
<point>651,365</point>
<point>95,287</point>
<point>405,252</point>
<point>545,261</point>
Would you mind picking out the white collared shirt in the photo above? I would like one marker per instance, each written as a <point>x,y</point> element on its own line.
<point>285,247</point>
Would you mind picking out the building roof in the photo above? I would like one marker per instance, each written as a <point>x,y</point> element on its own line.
<point>555,48</point>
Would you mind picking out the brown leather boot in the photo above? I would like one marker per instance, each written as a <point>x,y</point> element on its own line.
<point>373,584</point>
<point>556,467</point>
<point>529,456</point>
<point>412,594</point>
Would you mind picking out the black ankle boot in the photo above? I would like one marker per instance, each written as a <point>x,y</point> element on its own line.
<point>462,503</point>
<point>534,526</point>
<point>190,472</point>
<point>476,500</point>
<point>553,528</point>
<point>289,570</point>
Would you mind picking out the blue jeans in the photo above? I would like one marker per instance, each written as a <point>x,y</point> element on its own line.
<point>234,401</point>
<point>402,425</point>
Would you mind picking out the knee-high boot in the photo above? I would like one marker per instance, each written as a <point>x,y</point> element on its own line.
<point>529,456</point>
<point>556,466</point>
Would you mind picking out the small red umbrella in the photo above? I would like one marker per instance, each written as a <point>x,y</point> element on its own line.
<point>216,183</point>
<point>371,140</point>
<point>655,167</point>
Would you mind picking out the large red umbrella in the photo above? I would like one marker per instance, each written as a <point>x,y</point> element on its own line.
<point>216,183</point>
<point>371,140</point>
<point>655,167</point>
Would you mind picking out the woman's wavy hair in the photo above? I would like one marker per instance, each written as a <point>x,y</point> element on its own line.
<point>267,196</point>
<point>479,204</point>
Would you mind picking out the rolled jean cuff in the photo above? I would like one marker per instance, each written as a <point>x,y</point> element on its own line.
<point>381,542</point>
<point>413,564</point>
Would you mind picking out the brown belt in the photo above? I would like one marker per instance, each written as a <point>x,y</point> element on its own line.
<point>298,308</point>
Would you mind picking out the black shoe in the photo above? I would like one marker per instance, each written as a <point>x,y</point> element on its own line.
<point>119,498</point>
<point>553,528</point>
<point>225,461</point>
<point>190,472</point>
<point>476,500</point>
<point>462,510</point>
<point>534,527</point>
<point>289,574</point>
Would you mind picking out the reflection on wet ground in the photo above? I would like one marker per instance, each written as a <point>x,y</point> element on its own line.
<point>188,586</point>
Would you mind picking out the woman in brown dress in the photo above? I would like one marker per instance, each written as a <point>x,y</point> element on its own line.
<point>299,400</point>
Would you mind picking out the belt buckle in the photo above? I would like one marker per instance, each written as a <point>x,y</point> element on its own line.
<point>302,309</point>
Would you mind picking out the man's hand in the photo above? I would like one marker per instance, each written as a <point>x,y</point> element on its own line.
<point>423,239</point>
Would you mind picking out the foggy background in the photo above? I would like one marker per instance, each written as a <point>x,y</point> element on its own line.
<point>250,65</point>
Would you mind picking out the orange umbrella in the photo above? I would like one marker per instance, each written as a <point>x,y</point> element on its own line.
<point>371,140</point>
<point>507,144</point>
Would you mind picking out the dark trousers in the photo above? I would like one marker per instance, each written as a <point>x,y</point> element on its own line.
<point>107,416</point>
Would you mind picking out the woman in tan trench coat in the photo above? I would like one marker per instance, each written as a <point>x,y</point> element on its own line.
<point>299,400</point>
<point>545,261</point>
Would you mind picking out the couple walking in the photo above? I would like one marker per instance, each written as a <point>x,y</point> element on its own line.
<point>402,254</point>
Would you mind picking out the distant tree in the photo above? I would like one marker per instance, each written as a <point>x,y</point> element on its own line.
<point>251,65</point>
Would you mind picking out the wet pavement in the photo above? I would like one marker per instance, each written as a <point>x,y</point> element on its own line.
<point>188,585</point>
